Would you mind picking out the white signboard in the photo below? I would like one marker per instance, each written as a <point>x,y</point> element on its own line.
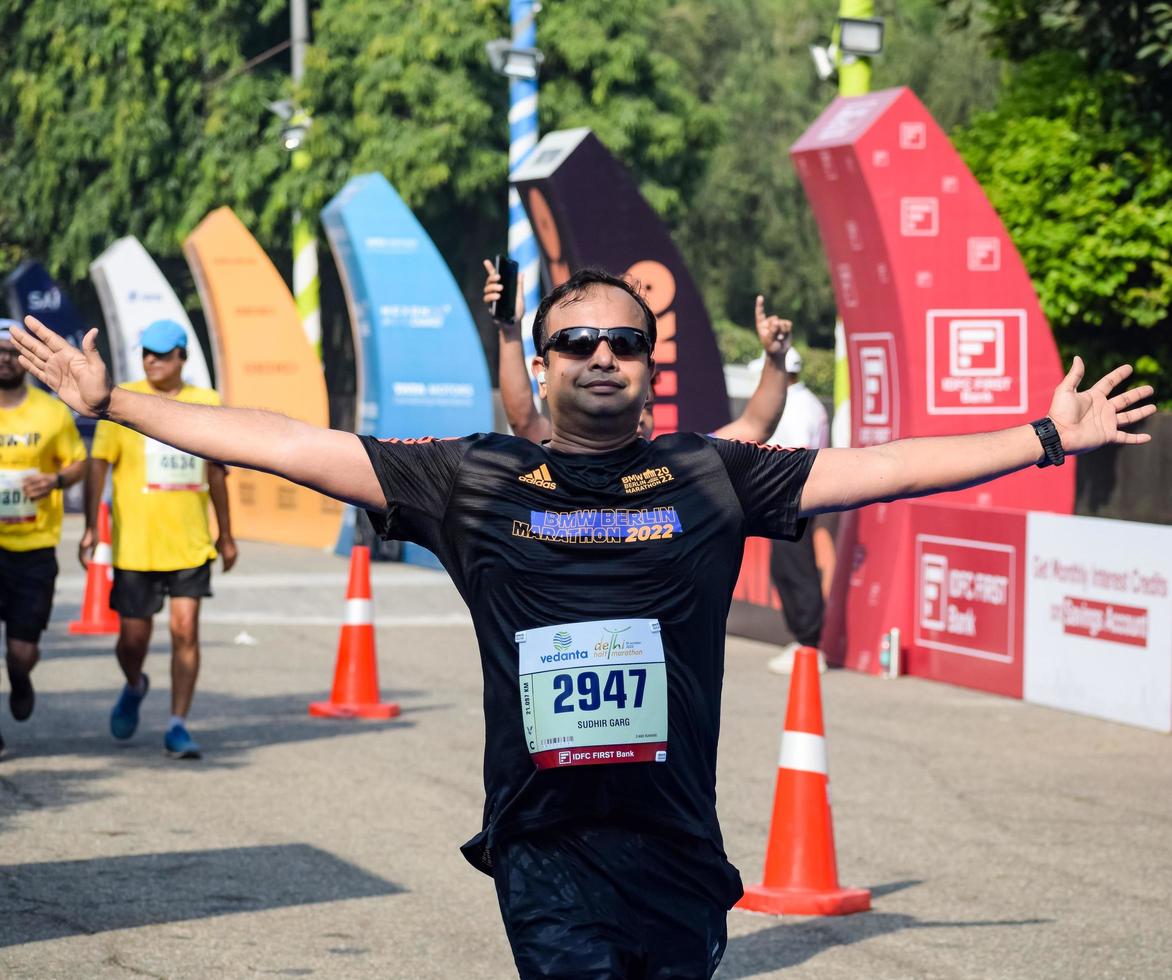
<point>134,294</point>
<point>1098,630</point>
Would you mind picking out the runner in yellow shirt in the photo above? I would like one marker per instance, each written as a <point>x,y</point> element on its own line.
<point>41,453</point>
<point>162,543</point>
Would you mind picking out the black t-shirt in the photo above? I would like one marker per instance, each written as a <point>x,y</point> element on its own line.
<point>533,537</point>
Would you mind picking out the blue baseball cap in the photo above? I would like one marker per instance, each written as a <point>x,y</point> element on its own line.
<point>163,336</point>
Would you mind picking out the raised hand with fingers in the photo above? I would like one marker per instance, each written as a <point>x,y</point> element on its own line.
<point>78,377</point>
<point>773,332</point>
<point>1086,420</point>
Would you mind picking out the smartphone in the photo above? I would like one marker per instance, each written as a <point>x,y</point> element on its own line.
<point>505,308</point>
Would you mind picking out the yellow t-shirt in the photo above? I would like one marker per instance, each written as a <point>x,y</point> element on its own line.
<point>38,436</point>
<point>160,494</point>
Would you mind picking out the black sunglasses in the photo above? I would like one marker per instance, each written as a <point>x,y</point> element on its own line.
<point>583,341</point>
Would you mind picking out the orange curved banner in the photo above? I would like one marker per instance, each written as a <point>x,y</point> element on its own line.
<point>263,360</point>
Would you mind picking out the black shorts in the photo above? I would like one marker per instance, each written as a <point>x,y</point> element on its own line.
<point>27,580</point>
<point>139,595</point>
<point>607,903</point>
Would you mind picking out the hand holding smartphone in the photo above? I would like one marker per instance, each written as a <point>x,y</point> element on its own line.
<point>505,308</point>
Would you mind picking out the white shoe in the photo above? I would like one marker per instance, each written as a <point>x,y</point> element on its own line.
<point>783,662</point>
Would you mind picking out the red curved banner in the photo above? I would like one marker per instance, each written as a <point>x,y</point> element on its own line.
<point>945,335</point>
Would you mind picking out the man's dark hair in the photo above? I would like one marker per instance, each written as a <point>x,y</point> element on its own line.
<point>576,287</point>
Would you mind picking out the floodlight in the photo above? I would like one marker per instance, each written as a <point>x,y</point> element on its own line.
<point>861,36</point>
<point>292,135</point>
<point>296,122</point>
<point>514,62</point>
<point>823,56</point>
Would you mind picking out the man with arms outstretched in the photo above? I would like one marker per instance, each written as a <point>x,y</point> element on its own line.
<point>598,595</point>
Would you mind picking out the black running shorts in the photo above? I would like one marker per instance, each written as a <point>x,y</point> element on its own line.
<point>27,580</point>
<point>607,903</point>
<point>139,595</point>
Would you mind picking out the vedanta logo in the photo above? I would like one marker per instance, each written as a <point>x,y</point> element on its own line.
<point>553,658</point>
<point>540,477</point>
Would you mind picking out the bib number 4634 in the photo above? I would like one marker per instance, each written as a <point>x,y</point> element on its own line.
<point>594,690</point>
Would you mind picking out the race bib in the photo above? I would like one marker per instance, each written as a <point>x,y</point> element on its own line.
<point>169,469</point>
<point>594,693</point>
<point>15,507</point>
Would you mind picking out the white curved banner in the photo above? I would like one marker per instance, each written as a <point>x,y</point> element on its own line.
<point>133,294</point>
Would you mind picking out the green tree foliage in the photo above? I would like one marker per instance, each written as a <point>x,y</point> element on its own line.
<point>1083,178</point>
<point>120,118</point>
<point>749,229</point>
<point>103,108</point>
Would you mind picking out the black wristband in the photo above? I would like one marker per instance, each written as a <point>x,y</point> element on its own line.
<point>1054,454</point>
<point>60,482</point>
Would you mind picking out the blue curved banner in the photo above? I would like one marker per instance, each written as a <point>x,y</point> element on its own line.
<point>421,366</point>
<point>31,290</point>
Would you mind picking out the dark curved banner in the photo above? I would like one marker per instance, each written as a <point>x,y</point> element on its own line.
<point>585,210</point>
<point>421,365</point>
<point>32,291</point>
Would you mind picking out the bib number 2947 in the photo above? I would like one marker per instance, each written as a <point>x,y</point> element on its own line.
<point>594,693</point>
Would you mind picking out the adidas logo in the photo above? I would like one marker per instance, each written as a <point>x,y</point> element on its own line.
<point>540,477</point>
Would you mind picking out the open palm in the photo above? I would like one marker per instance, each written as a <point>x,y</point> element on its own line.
<point>78,377</point>
<point>1089,419</point>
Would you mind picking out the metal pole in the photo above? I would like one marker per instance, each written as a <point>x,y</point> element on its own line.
<point>522,138</point>
<point>854,73</point>
<point>306,281</point>
<point>854,78</point>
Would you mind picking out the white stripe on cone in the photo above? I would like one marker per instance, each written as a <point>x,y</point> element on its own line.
<point>359,612</point>
<point>103,554</point>
<point>803,752</point>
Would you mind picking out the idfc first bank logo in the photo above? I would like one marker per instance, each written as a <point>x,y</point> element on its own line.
<point>977,362</point>
<point>966,597</point>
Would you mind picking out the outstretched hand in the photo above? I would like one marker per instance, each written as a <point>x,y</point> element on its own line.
<point>492,292</point>
<point>1089,419</point>
<point>773,332</point>
<point>78,377</point>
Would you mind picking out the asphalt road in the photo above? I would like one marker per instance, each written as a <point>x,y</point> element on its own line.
<point>1001,840</point>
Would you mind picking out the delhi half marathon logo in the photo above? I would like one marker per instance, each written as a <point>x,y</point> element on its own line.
<point>540,477</point>
<point>611,646</point>
<point>562,640</point>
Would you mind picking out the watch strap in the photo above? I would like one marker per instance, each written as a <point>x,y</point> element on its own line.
<point>1053,453</point>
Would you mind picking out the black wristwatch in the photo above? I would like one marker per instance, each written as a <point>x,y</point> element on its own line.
<point>60,482</point>
<point>1051,441</point>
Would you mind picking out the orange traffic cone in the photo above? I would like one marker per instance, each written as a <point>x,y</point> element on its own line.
<point>801,876</point>
<point>96,614</point>
<point>355,693</point>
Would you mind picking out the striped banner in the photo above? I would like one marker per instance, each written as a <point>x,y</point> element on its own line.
<point>522,138</point>
<point>306,281</point>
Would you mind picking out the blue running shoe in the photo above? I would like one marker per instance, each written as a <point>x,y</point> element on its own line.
<point>124,717</point>
<point>179,743</point>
